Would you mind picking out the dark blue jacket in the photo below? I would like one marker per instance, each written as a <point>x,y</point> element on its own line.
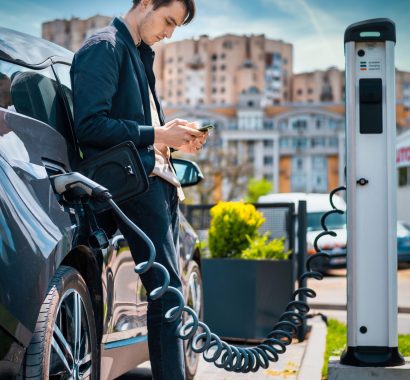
<point>110,79</point>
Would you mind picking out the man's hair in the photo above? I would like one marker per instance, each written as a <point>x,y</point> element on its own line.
<point>189,6</point>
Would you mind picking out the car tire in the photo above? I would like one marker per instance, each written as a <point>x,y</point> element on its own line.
<point>193,299</point>
<point>64,338</point>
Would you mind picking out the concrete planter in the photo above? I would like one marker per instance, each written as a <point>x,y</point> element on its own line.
<point>245,298</point>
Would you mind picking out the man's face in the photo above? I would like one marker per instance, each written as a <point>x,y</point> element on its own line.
<point>161,22</point>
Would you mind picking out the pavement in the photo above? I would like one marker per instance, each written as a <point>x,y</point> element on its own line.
<point>304,360</point>
<point>301,361</point>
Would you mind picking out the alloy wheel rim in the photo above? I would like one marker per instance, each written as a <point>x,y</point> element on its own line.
<point>70,352</point>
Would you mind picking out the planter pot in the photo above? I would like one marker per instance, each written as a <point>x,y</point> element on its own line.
<point>245,298</point>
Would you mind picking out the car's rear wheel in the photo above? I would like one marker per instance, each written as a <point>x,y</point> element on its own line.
<point>194,300</point>
<point>64,344</point>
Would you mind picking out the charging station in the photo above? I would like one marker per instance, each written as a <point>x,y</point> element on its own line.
<point>371,178</point>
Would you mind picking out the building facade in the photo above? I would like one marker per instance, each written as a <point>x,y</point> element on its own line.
<point>319,86</point>
<point>297,147</point>
<point>72,33</point>
<point>206,71</point>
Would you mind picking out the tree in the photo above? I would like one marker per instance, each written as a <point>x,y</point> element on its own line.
<point>226,175</point>
<point>256,188</point>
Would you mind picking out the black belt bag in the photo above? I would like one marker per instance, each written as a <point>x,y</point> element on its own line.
<point>120,170</point>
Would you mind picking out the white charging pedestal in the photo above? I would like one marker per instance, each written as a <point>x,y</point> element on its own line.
<point>371,203</point>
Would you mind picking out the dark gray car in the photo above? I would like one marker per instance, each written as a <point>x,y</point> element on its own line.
<point>67,310</point>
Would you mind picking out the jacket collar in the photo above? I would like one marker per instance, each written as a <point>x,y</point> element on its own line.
<point>123,29</point>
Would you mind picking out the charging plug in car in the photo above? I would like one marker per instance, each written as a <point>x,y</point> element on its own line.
<point>64,182</point>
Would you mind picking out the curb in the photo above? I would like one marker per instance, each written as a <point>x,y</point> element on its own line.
<point>313,358</point>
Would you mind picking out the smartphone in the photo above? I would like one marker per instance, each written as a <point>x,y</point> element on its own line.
<point>206,128</point>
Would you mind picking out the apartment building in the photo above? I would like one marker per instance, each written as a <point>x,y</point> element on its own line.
<point>72,33</point>
<point>217,71</point>
<point>298,147</point>
<point>319,86</point>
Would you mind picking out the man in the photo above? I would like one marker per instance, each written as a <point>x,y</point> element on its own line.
<point>114,101</point>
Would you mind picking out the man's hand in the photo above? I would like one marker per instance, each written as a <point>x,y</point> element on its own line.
<point>195,145</point>
<point>177,133</point>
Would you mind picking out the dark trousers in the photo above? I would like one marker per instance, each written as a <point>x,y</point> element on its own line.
<point>156,213</point>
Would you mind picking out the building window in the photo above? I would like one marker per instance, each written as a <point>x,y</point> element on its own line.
<point>333,142</point>
<point>223,67</point>
<point>299,91</point>
<point>310,91</point>
<point>268,143</point>
<point>284,142</point>
<point>318,162</point>
<point>300,143</point>
<point>268,160</point>
<point>318,141</point>
<point>227,44</point>
<point>214,57</point>
<point>268,177</point>
<point>404,176</point>
<point>299,125</point>
<point>223,55</point>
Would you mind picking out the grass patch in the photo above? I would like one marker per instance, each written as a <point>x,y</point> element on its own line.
<point>336,342</point>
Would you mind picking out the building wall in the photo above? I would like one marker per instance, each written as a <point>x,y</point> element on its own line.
<point>285,174</point>
<point>217,71</point>
<point>300,148</point>
<point>72,33</point>
<point>332,172</point>
<point>319,86</point>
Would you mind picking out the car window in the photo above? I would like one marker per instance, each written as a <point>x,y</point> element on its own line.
<point>33,93</point>
<point>403,229</point>
<point>63,74</point>
<point>333,221</point>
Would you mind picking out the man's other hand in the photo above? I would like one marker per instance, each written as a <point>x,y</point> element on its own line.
<point>176,134</point>
<point>195,145</point>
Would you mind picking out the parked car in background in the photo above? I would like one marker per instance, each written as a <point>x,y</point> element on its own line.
<point>316,206</point>
<point>67,310</point>
<point>403,242</point>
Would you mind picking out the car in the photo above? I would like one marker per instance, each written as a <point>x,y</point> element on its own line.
<point>317,204</point>
<point>69,308</point>
<point>403,242</point>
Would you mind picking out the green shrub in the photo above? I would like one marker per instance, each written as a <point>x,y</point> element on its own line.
<point>256,188</point>
<point>231,223</point>
<point>260,248</point>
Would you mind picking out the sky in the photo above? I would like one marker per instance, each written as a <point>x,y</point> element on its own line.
<point>314,27</point>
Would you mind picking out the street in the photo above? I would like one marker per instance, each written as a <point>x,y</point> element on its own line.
<point>331,297</point>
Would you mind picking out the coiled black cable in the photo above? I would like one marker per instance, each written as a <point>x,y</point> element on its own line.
<point>202,340</point>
